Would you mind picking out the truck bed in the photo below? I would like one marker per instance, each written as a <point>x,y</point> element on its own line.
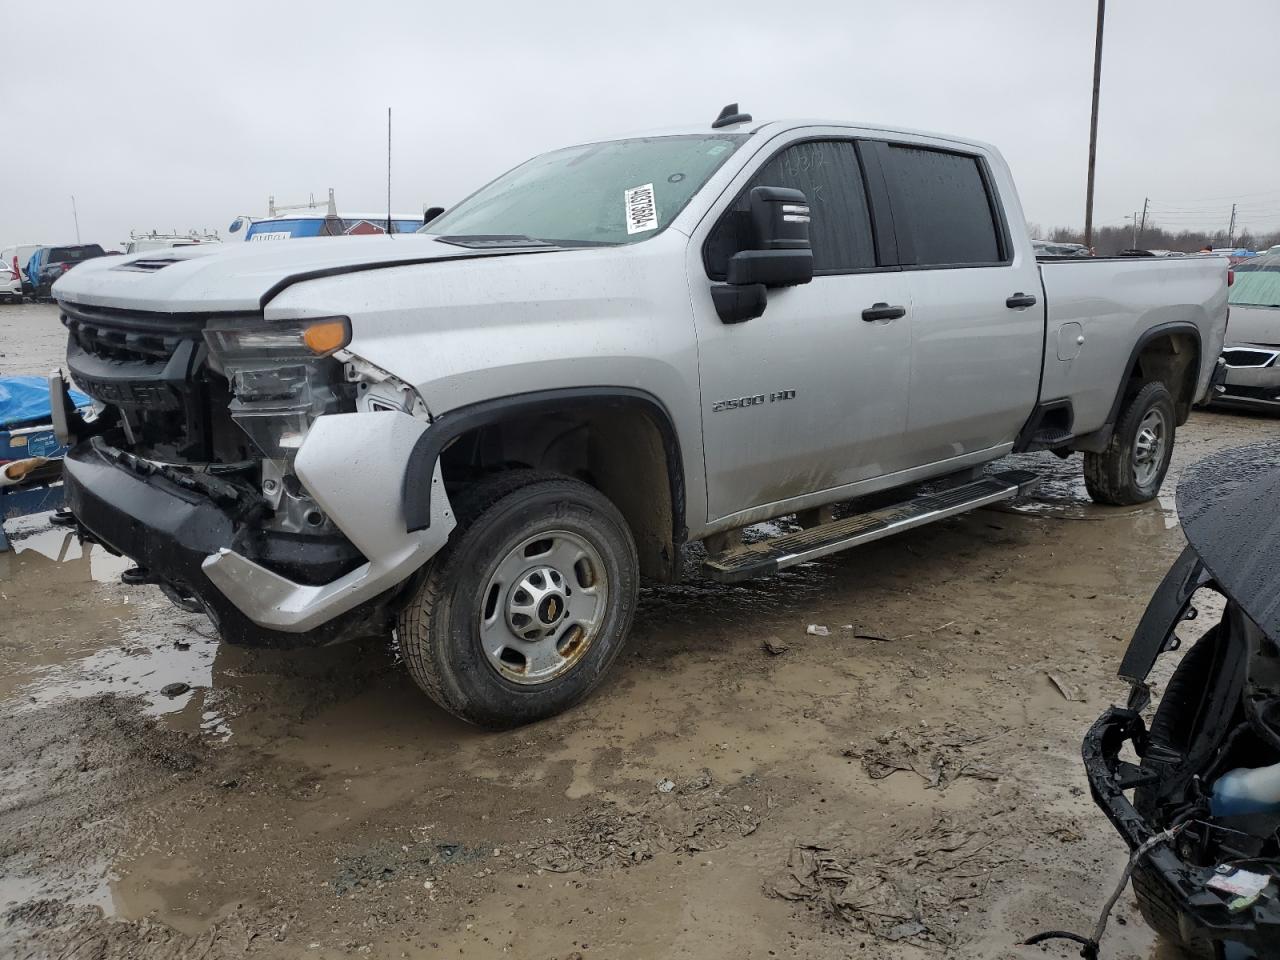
<point>1099,314</point>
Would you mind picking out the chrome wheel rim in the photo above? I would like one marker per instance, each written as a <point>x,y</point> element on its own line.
<point>543,606</point>
<point>1149,446</point>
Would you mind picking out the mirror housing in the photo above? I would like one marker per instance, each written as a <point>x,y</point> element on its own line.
<point>780,254</point>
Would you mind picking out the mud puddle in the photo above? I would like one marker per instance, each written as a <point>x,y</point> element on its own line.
<point>315,804</point>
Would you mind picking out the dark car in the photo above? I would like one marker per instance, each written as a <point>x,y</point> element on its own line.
<point>47,264</point>
<point>1204,815</point>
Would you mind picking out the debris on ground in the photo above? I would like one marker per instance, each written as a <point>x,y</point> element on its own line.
<point>689,820</point>
<point>1069,691</point>
<point>938,762</point>
<point>175,689</point>
<point>775,647</point>
<point>911,887</point>
<point>817,630</point>
<point>666,786</point>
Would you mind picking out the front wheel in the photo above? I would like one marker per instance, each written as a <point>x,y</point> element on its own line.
<point>1132,467</point>
<point>522,613</point>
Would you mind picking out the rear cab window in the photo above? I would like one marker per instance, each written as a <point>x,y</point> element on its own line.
<point>944,208</point>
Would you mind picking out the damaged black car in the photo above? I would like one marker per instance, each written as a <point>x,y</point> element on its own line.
<point>1196,795</point>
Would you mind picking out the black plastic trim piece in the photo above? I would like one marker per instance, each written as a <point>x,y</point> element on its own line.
<point>883,232</point>
<point>1036,420</point>
<point>416,488</point>
<point>1162,616</point>
<point>1162,329</point>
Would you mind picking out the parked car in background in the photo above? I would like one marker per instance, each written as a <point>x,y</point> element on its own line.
<point>17,257</point>
<point>47,264</point>
<point>142,242</point>
<point>1252,348</point>
<point>10,282</point>
<point>1203,818</point>
<point>1052,248</point>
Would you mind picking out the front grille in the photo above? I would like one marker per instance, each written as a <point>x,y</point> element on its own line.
<point>130,336</point>
<point>152,368</point>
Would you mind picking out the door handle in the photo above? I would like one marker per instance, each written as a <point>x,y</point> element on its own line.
<point>1020,299</point>
<point>882,311</point>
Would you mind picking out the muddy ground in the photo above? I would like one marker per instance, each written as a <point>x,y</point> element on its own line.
<point>906,786</point>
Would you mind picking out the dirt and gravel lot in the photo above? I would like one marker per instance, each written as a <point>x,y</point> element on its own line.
<point>907,785</point>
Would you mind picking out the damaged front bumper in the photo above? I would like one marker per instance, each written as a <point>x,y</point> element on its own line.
<point>1168,874</point>
<point>260,590</point>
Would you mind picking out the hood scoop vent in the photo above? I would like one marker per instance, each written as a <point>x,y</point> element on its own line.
<point>148,265</point>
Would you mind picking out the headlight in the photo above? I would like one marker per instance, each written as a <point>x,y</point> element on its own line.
<point>268,339</point>
<point>279,376</point>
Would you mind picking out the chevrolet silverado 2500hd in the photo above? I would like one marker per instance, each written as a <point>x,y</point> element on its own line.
<point>486,433</point>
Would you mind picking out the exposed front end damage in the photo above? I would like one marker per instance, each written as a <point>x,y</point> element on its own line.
<point>252,468</point>
<point>1213,884</point>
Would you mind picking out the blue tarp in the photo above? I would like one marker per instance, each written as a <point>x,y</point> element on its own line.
<point>25,401</point>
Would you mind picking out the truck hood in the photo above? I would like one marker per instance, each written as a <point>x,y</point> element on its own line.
<point>243,277</point>
<point>1259,325</point>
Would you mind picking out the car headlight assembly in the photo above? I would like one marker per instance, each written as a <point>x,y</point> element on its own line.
<point>281,376</point>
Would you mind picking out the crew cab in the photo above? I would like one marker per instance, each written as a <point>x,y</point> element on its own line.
<point>484,434</point>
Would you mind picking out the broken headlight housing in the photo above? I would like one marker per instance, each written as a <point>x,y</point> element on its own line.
<point>282,376</point>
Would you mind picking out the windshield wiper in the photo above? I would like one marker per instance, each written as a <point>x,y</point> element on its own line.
<point>481,241</point>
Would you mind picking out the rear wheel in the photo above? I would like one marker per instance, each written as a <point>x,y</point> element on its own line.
<point>522,613</point>
<point>1132,467</point>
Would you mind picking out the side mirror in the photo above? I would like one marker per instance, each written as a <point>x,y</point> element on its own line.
<point>780,255</point>
<point>430,214</point>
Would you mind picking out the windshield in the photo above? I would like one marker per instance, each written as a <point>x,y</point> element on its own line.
<point>620,191</point>
<point>1257,283</point>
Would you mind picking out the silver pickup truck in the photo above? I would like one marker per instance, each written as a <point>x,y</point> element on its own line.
<point>484,435</point>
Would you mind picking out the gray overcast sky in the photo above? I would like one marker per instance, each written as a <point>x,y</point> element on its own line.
<point>184,115</point>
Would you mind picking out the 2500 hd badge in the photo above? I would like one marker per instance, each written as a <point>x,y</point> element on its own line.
<point>741,403</point>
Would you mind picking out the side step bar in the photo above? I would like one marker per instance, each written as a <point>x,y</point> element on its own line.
<point>778,553</point>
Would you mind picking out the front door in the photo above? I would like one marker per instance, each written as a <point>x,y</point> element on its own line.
<point>810,395</point>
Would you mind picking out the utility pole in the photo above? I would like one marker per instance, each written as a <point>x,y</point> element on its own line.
<point>1231,228</point>
<point>1146,201</point>
<point>76,217</point>
<point>1093,125</point>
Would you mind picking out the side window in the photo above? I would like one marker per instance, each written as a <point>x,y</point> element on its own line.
<point>947,208</point>
<point>840,227</point>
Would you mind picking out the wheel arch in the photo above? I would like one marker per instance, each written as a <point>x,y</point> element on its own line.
<point>1170,353</point>
<point>632,449</point>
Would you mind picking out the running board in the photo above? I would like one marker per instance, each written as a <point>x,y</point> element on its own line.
<point>787,550</point>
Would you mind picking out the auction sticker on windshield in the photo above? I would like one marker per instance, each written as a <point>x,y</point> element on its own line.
<point>642,210</point>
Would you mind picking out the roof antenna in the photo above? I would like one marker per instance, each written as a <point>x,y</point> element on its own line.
<point>389,233</point>
<point>729,116</point>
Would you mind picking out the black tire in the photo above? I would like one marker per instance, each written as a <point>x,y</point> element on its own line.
<point>439,629</point>
<point>1111,476</point>
<point>1172,728</point>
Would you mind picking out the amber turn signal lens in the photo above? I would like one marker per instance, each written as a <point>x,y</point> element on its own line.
<point>325,337</point>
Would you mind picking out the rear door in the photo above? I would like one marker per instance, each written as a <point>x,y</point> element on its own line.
<point>810,395</point>
<point>977,325</point>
